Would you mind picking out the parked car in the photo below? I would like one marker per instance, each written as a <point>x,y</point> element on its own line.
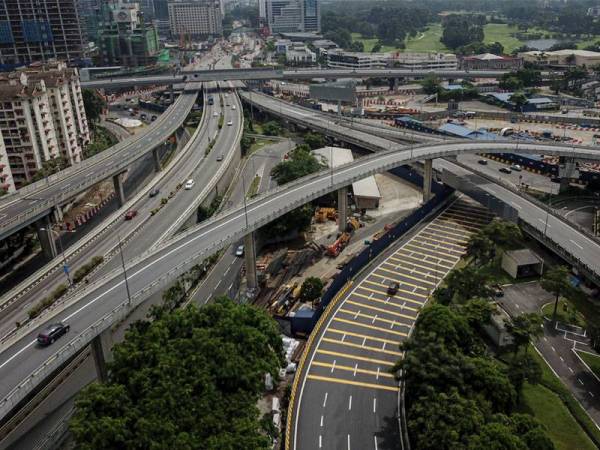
<point>52,333</point>
<point>239,251</point>
<point>189,184</point>
<point>130,214</point>
<point>153,118</point>
<point>516,167</point>
<point>393,289</point>
<point>483,162</point>
<point>229,123</point>
<point>154,192</point>
<point>498,291</point>
<point>220,158</point>
<point>505,170</point>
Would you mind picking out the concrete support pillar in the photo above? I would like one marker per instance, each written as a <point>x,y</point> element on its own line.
<point>250,261</point>
<point>118,184</point>
<point>171,94</point>
<point>57,214</point>
<point>156,158</point>
<point>342,208</point>
<point>427,178</point>
<point>46,238</point>
<point>99,359</point>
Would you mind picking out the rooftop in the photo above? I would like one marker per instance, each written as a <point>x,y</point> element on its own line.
<point>523,256</point>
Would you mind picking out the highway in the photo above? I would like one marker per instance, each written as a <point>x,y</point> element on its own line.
<point>36,200</point>
<point>22,362</point>
<point>277,74</point>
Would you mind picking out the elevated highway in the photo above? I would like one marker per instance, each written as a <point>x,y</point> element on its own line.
<point>259,74</point>
<point>38,199</point>
<point>96,307</point>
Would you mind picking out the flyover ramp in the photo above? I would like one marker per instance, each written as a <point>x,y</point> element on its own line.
<point>96,307</point>
<point>36,200</point>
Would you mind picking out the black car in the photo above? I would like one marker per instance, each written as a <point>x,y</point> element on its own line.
<point>392,289</point>
<point>505,170</point>
<point>52,333</point>
<point>154,192</point>
<point>483,162</point>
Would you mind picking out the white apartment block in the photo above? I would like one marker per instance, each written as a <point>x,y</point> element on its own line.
<point>198,18</point>
<point>340,59</point>
<point>41,118</point>
<point>7,183</point>
<point>424,61</point>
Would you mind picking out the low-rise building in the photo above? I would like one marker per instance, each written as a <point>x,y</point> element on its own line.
<point>340,59</point>
<point>322,45</point>
<point>489,61</point>
<point>423,61</point>
<point>282,45</point>
<point>562,58</point>
<point>300,54</point>
<point>521,263</point>
<point>533,104</point>
<point>41,118</point>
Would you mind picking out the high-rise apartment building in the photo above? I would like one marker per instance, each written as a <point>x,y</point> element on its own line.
<point>39,30</point>
<point>41,118</point>
<point>290,16</point>
<point>196,18</point>
<point>124,37</point>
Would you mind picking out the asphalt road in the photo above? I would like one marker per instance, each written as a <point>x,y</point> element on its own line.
<point>557,345</point>
<point>347,398</point>
<point>19,209</point>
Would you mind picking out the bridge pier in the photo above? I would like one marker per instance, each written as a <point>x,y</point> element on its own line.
<point>97,346</point>
<point>44,232</point>
<point>118,185</point>
<point>250,261</point>
<point>171,94</point>
<point>156,158</point>
<point>427,176</point>
<point>342,205</point>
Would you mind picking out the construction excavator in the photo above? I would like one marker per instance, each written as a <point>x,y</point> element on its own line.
<point>342,241</point>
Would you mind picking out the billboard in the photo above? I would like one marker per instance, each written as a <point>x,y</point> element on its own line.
<point>334,92</point>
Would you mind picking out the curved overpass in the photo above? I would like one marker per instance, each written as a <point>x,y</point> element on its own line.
<point>99,305</point>
<point>37,200</point>
<point>278,74</point>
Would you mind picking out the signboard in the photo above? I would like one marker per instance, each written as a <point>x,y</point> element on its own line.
<point>334,92</point>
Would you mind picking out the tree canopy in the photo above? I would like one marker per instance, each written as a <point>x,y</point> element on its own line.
<point>460,30</point>
<point>189,379</point>
<point>93,104</point>
<point>301,162</point>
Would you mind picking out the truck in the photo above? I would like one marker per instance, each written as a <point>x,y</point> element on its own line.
<point>211,100</point>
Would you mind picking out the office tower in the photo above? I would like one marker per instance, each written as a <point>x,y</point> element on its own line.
<point>289,16</point>
<point>40,30</point>
<point>195,18</point>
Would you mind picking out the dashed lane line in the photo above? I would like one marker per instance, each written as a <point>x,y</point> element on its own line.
<point>400,268</point>
<point>363,347</point>
<point>443,263</point>
<point>375,308</point>
<point>416,294</point>
<point>405,275</point>
<point>403,261</point>
<point>370,327</point>
<point>353,357</point>
<point>352,382</point>
<point>383,302</point>
<point>352,369</point>
<point>377,318</point>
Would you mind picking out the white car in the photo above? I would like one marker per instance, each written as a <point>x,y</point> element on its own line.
<point>215,114</point>
<point>239,251</point>
<point>189,184</point>
<point>229,123</point>
<point>232,106</point>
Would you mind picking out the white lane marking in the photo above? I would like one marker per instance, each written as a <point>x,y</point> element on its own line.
<point>374,404</point>
<point>571,370</point>
<point>322,420</point>
<point>377,376</point>
<point>356,315</point>
<point>545,223</point>
<point>17,354</point>
<point>515,205</point>
<point>325,400</point>
<point>332,368</point>
<point>350,403</point>
<point>348,442</point>
<point>545,339</point>
<point>320,441</point>
<point>553,349</point>
<point>374,318</point>
<point>581,382</point>
<point>375,440</point>
<point>561,358</point>
<point>364,341</point>
<point>575,244</point>
<point>355,368</point>
<point>590,393</point>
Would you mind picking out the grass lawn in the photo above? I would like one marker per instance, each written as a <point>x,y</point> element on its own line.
<point>428,41</point>
<point>565,313</point>
<point>548,408</point>
<point>591,360</point>
<point>370,43</point>
<point>501,32</point>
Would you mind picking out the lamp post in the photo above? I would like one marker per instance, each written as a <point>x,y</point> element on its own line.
<point>124,271</point>
<point>244,200</point>
<point>62,252</point>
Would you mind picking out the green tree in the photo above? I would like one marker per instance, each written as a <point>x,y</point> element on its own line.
<point>314,140</point>
<point>301,162</point>
<point>523,368</point>
<point>272,128</point>
<point>431,84</point>
<point>524,328</point>
<point>518,99</point>
<point>311,289</point>
<point>467,282</point>
<point>481,248</point>
<point>503,233</point>
<point>556,281</point>
<point>93,104</point>
<point>460,30</point>
<point>189,379</point>
<point>296,220</point>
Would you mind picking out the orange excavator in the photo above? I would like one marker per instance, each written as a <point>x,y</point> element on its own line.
<point>342,241</point>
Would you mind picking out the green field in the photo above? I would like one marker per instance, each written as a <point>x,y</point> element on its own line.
<point>500,32</point>
<point>370,43</point>
<point>562,428</point>
<point>428,41</point>
<point>592,361</point>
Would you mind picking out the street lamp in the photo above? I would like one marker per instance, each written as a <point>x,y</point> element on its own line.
<point>124,271</point>
<point>244,200</point>
<point>62,252</point>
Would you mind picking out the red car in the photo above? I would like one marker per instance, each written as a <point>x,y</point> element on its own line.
<point>130,214</point>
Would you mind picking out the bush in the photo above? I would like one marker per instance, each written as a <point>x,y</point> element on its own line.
<point>85,270</point>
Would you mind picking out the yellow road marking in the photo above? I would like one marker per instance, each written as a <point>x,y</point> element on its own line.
<point>352,383</point>
<point>387,341</point>
<point>457,221</point>
<point>369,327</point>
<point>366,347</point>
<point>352,369</point>
<point>434,241</point>
<point>357,358</point>
<point>453,240</point>
<point>377,318</point>
<point>383,302</point>
<point>410,270</point>
<point>449,230</point>
<point>475,211</point>
<point>464,217</point>
<point>385,286</point>
<point>437,252</point>
<point>437,247</point>
<point>439,261</point>
<point>403,261</point>
<point>403,275</point>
